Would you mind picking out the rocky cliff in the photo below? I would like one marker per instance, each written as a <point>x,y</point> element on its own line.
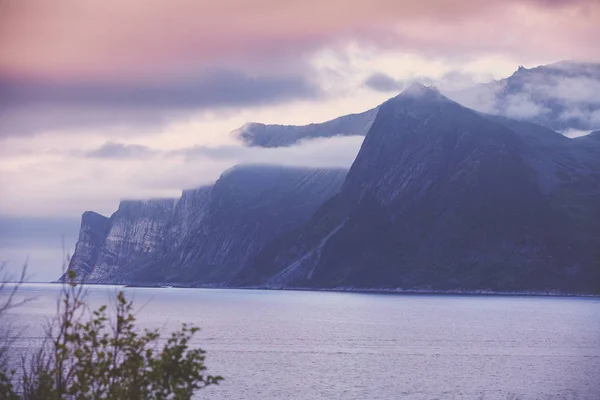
<point>135,231</point>
<point>441,197</point>
<point>94,230</point>
<point>206,236</point>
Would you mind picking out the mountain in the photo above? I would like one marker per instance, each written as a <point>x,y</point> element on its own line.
<point>261,135</point>
<point>440,197</point>
<point>205,236</point>
<point>443,197</point>
<point>563,96</point>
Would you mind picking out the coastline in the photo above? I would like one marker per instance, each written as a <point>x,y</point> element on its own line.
<point>389,291</point>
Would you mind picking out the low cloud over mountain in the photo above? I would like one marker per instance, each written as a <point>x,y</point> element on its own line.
<point>564,96</point>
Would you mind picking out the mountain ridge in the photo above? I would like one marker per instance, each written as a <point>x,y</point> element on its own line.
<point>208,232</point>
<point>255,134</point>
<point>384,216</point>
<point>524,95</point>
<point>440,197</point>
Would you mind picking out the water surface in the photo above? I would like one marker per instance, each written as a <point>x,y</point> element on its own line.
<point>327,345</point>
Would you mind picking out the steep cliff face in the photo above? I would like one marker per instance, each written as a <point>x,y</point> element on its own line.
<point>190,211</point>
<point>210,233</point>
<point>442,197</point>
<point>93,232</point>
<point>137,230</point>
<point>248,207</point>
<point>439,197</point>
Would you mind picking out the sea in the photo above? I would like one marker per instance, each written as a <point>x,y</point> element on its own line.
<point>281,344</point>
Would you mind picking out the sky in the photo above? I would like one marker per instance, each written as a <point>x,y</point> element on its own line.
<point>108,99</point>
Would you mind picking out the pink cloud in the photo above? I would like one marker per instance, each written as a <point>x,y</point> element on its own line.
<point>115,39</point>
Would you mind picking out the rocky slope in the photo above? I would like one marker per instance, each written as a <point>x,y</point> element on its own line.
<point>135,231</point>
<point>205,236</point>
<point>94,230</point>
<point>441,197</point>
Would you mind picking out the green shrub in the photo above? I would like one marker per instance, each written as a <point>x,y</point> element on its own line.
<point>88,355</point>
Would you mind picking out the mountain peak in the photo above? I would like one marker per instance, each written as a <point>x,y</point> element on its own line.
<point>418,92</point>
<point>418,95</point>
<point>418,89</point>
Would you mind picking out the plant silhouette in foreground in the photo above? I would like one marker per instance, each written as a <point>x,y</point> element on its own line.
<point>88,355</point>
<point>7,336</point>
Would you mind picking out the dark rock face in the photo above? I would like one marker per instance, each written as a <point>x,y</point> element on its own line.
<point>211,232</point>
<point>439,197</point>
<point>255,134</point>
<point>191,209</point>
<point>93,232</point>
<point>248,207</point>
<point>442,197</point>
<point>135,231</point>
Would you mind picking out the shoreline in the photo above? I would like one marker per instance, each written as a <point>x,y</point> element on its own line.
<point>389,291</point>
<point>452,292</point>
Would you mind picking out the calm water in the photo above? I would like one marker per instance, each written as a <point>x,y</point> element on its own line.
<point>314,345</point>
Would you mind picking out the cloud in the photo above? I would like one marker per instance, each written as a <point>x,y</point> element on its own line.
<point>98,177</point>
<point>30,106</point>
<point>337,151</point>
<point>122,39</point>
<point>214,89</point>
<point>73,64</point>
<point>16,121</point>
<point>120,150</point>
<point>383,83</point>
<point>449,81</point>
<point>522,106</point>
<point>564,96</point>
<point>202,164</point>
